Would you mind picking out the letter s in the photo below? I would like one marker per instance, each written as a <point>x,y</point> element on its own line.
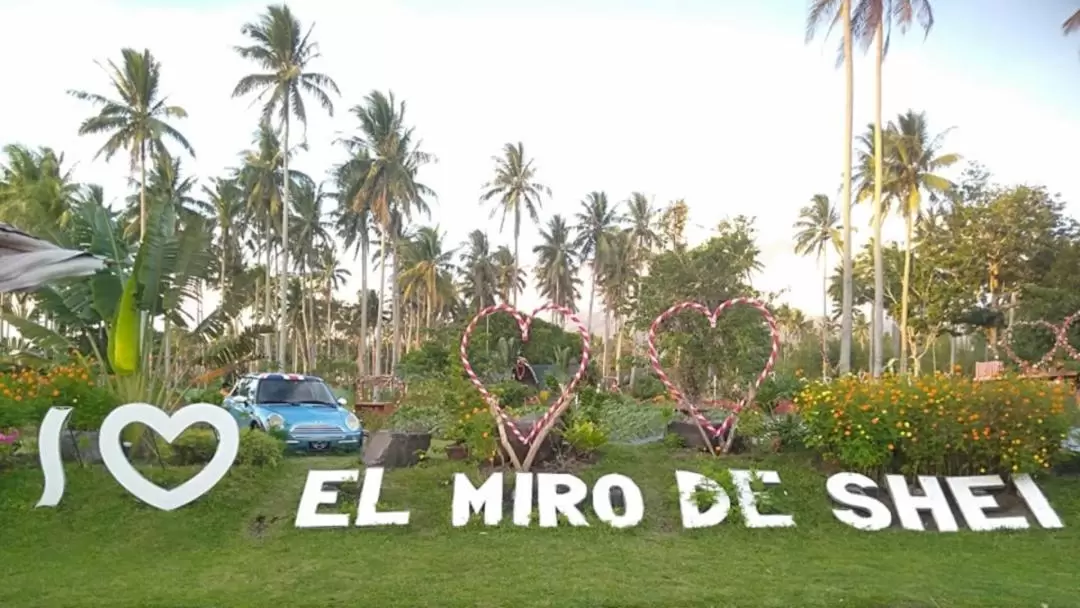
<point>52,466</point>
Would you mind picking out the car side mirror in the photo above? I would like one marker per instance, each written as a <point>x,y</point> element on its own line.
<point>240,400</point>
<point>342,401</point>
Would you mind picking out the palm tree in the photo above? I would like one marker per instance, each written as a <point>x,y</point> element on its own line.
<point>312,235</point>
<point>263,177</point>
<point>136,119</point>
<point>515,186</point>
<point>427,273</point>
<point>557,264</point>
<point>332,275</point>
<point>917,157</point>
<point>509,277</point>
<point>226,199</point>
<point>595,222</point>
<point>839,11</point>
<point>869,21</point>
<point>36,190</point>
<point>284,51</point>
<point>390,185</point>
<point>353,221</point>
<point>644,239</point>
<point>478,272</point>
<point>617,278</point>
<point>815,231</point>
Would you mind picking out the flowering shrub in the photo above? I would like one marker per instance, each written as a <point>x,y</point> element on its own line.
<point>475,428</point>
<point>938,424</point>
<point>25,397</point>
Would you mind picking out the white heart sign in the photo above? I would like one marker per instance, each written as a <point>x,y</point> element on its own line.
<point>169,427</point>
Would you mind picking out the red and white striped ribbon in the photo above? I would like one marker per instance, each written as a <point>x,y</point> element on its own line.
<point>1061,340</point>
<point>676,394</point>
<point>524,323</point>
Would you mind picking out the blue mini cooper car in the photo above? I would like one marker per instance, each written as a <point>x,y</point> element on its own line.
<point>303,407</point>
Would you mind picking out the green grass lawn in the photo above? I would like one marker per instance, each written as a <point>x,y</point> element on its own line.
<point>237,547</point>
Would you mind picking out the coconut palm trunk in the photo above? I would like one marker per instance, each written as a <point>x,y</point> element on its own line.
<point>142,190</point>
<point>877,326</point>
<point>266,288</point>
<point>283,288</point>
<point>377,352</point>
<point>517,239</point>
<point>849,114</point>
<point>395,351</point>
<point>910,229</point>
<point>618,350</point>
<point>607,340</point>
<point>361,353</point>
<point>329,319</point>
<point>824,314</point>
<point>592,295</point>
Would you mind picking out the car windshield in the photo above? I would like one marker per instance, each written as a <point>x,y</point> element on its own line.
<point>279,390</point>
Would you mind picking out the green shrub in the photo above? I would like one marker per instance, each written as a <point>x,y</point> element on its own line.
<point>938,425</point>
<point>432,419</point>
<point>778,387</point>
<point>623,419</point>
<point>513,393</point>
<point>647,386</point>
<point>260,449</point>
<point>204,395</point>
<point>584,436</point>
<point>193,446</point>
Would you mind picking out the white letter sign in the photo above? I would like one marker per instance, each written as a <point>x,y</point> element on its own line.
<point>366,510</point>
<point>692,517</point>
<point>933,500</point>
<point>468,500</point>
<point>748,502</point>
<point>878,515</point>
<point>551,502</point>
<point>632,500</point>
<point>307,515</point>
<point>973,507</point>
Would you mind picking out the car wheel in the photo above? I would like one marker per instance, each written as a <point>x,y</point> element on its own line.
<point>255,426</point>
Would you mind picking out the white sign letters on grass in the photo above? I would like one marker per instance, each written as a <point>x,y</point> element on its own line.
<point>552,499</point>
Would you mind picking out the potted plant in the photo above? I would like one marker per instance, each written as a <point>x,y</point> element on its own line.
<point>457,433</point>
<point>457,451</point>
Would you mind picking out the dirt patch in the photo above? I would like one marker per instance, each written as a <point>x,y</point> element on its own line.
<point>261,524</point>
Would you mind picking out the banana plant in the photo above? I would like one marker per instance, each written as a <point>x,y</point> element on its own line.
<point>111,314</point>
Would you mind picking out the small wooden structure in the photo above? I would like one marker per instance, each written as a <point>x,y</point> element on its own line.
<point>379,394</point>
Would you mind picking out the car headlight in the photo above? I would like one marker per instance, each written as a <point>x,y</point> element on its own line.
<point>275,421</point>
<point>352,422</point>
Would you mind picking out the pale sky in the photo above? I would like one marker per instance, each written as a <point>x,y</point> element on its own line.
<point>721,103</point>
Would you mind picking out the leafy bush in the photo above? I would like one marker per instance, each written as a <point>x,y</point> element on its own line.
<point>777,388</point>
<point>647,386</point>
<point>432,419</point>
<point>584,436</point>
<point>25,396</point>
<point>623,419</point>
<point>204,395</point>
<point>938,424</point>
<point>260,449</point>
<point>194,446</point>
